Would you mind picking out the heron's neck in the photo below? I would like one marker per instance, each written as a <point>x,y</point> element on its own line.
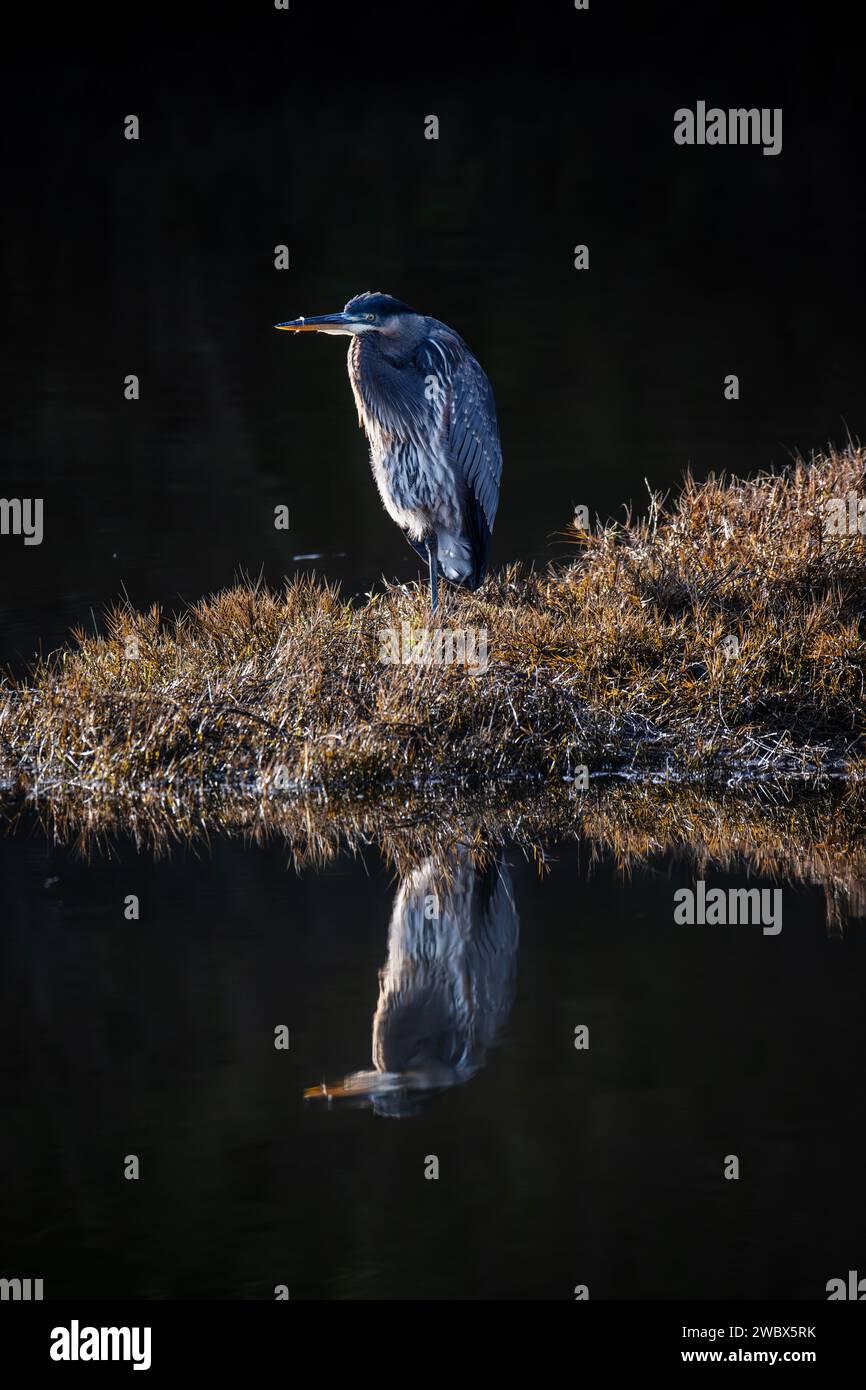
<point>379,346</point>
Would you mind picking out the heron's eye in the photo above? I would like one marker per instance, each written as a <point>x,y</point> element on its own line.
<point>371,318</point>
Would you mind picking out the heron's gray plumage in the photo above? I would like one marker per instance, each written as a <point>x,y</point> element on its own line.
<point>428,412</point>
<point>449,982</point>
<point>447,988</point>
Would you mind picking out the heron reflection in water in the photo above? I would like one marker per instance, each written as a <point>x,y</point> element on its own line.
<point>447,988</point>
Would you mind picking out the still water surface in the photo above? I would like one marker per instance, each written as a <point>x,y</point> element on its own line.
<point>557,1166</point>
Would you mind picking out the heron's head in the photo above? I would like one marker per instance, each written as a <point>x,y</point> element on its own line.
<point>366,313</point>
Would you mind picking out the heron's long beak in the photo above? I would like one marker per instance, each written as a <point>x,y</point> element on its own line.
<point>324,1092</point>
<point>325,323</point>
<point>361,1084</point>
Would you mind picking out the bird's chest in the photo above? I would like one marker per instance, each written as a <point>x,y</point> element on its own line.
<point>406,427</point>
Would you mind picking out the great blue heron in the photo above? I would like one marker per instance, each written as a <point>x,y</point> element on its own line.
<point>428,412</point>
<point>448,986</point>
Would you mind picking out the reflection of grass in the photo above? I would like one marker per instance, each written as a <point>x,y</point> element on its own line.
<point>777,831</point>
<point>814,838</point>
<point>615,661</point>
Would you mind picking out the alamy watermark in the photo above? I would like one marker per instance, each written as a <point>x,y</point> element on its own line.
<point>732,907</point>
<point>440,647</point>
<point>22,516</point>
<point>77,1343</point>
<point>854,1288</point>
<point>736,126</point>
<point>845,516</point>
<point>21,1290</point>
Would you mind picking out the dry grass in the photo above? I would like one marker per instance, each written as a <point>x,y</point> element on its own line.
<point>615,661</point>
<point>752,762</point>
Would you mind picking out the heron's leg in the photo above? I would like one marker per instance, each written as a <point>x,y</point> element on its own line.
<point>434,588</point>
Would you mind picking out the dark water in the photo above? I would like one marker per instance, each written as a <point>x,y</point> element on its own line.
<point>557,1166</point>
<point>155,1037</point>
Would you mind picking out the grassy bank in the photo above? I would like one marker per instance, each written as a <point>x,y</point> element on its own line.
<point>721,637</point>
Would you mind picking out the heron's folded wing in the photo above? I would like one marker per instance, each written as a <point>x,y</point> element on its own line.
<point>473,439</point>
<point>474,435</point>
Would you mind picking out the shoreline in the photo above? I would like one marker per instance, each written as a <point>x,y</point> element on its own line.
<point>720,638</point>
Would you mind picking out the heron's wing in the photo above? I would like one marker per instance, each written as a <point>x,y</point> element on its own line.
<point>473,436</point>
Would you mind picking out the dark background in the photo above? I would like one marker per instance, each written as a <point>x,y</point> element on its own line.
<point>305,127</point>
<point>260,127</point>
